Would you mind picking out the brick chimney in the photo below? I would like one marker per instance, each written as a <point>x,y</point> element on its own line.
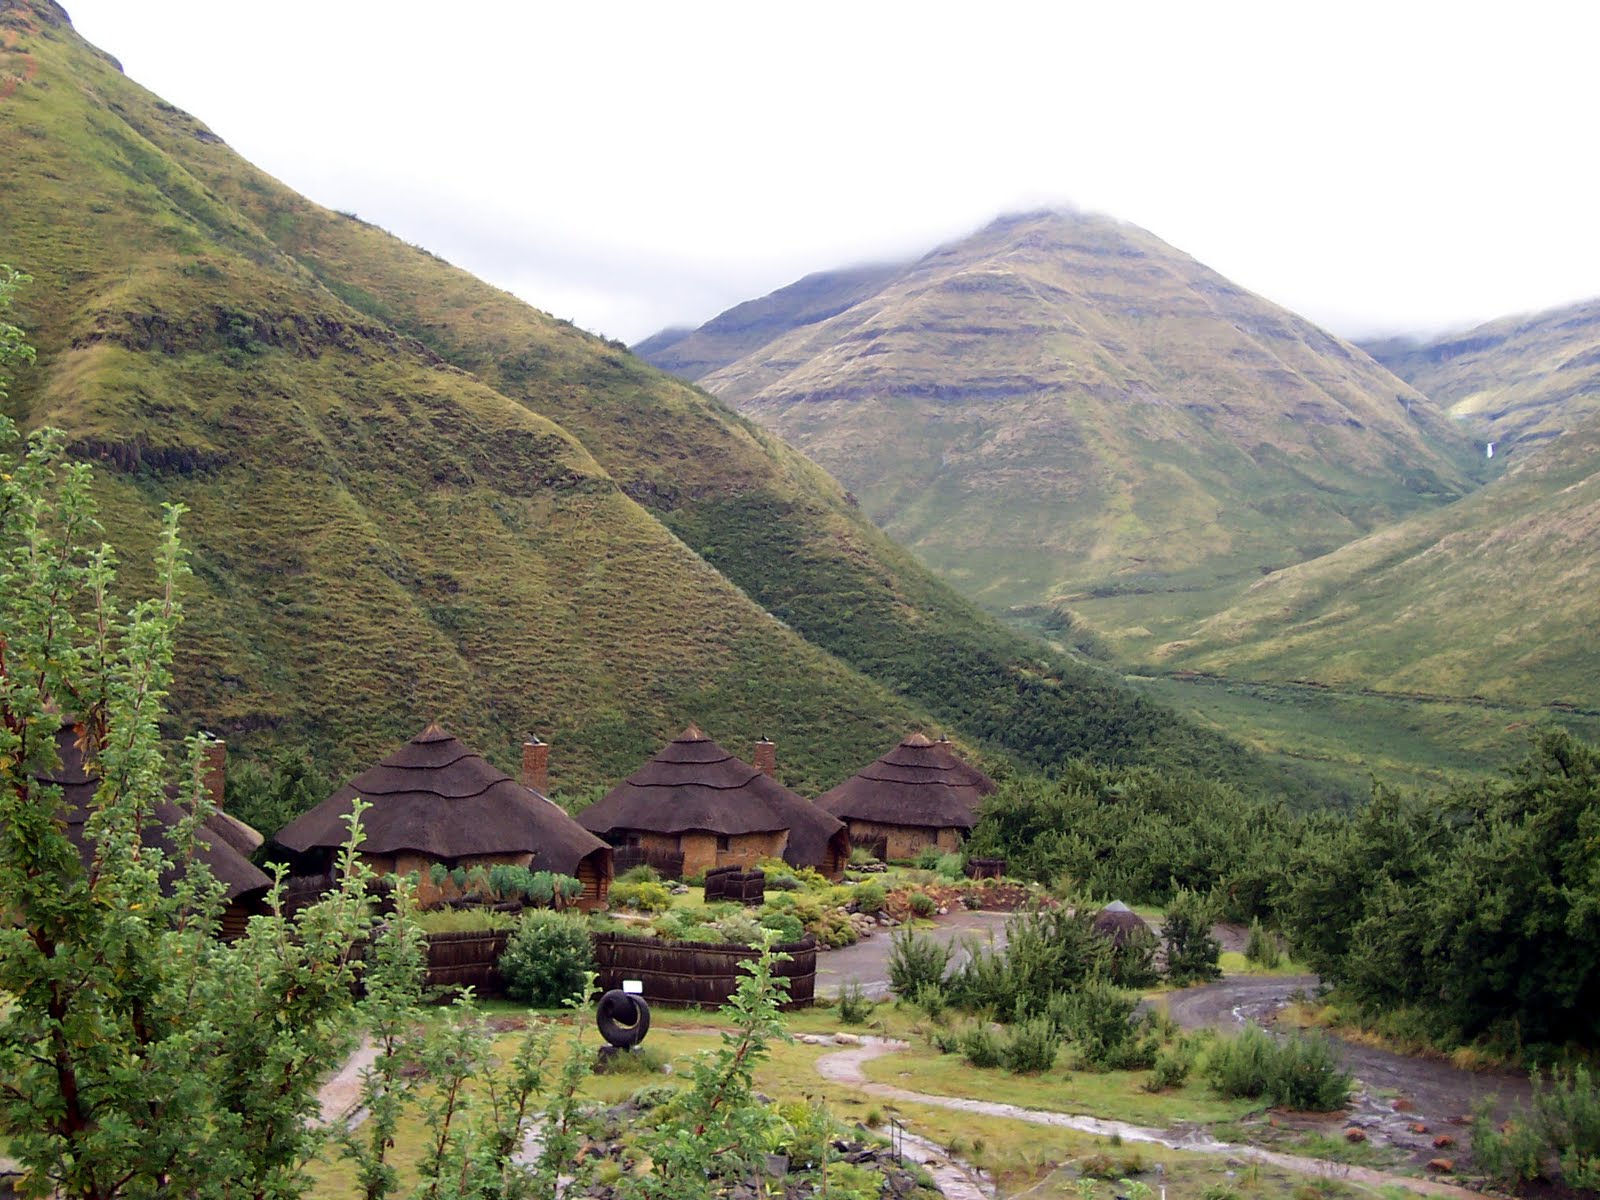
<point>536,765</point>
<point>765,759</point>
<point>214,771</point>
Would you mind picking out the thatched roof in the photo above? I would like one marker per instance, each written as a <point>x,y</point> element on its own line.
<point>438,797</point>
<point>224,843</point>
<point>1116,921</point>
<point>696,785</point>
<point>919,783</point>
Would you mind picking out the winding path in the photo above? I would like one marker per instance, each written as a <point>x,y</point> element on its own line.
<point>845,1067</point>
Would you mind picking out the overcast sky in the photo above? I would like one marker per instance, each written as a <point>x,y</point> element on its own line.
<point>1384,166</point>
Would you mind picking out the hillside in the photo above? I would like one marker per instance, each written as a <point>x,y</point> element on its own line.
<point>1061,407</point>
<point>1495,597</point>
<point>1516,382</point>
<point>414,496</point>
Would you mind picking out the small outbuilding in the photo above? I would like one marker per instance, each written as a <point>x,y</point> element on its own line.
<point>436,800</point>
<point>698,800</point>
<point>920,794</point>
<point>223,843</point>
<point>1117,923</point>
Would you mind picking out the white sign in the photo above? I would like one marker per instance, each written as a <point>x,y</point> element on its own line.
<point>634,987</point>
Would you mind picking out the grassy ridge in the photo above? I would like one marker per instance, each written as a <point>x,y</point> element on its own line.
<point>415,496</point>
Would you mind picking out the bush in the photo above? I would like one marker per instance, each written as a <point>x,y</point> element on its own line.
<point>870,898</point>
<point>545,961</point>
<point>854,1005</point>
<point>643,873</point>
<point>1563,1128</point>
<point>642,897</point>
<point>1030,1047</point>
<point>916,962</point>
<point>928,858</point>
<point>981,1047</point>
<point>1262,948</point>
<point>1096,1018</point>
<point>1133,964</point>
<point>950,866</point>
<point>785,925</point>
<point>1192,952</point>
<point>860,856</point>
<point>1171,1069</point>
<point>922,904</point>
<point>1299,1072</point>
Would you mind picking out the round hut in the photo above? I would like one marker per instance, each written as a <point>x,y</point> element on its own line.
<point>695,806</point>
<point>1117,922</point>
<point>919,794</point>
<point>436,800</point>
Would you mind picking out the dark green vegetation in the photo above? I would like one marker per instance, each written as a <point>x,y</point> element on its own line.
<point>1517,382</point>
<point>1470,915</point>
<point>413,496</point>
<point>1557,1139</point>
<point>1300,1072</point>
<point>1062,407</point>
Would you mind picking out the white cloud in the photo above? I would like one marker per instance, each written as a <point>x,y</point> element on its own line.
<point>629,164</point>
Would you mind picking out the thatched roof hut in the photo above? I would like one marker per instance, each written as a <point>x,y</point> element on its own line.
<point>435,799</point>
<point>1118,922</point>
<point>697,799</point>
<point>224,844</point>
<point>919,793</point>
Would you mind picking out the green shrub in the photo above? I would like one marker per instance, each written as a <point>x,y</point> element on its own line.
<point>739,929</point>
<point>931,999</point>
<point>546,958</point>
<point>922,904</point>
<point>1030,1046</point>
<point>698,879</point>
<point>643,873</point>
<point>928,858</point>
<point>642,897</point>
<point>1095,1017</point>
<point>1262,948</point>
<point>1192,952</point>
<point>854,1005</point>
<point>870,898</point>
<point>1133,963</point>
<point>950,866</point>
<point>981,1046</point>
<point>636,1060</point>
<point>1562,1130</point>
<point>860,856</point>
<point>1171,1069</point>
<point>1299,1072</point>
<point>916,962</point>
<point>464,920</point>
<point>786,925</point>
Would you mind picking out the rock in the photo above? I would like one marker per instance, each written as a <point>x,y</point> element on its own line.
<point>1403,1105</point>
<point>1443,1142</point>
<point>1442,1166</point>
<point>1418,1127</point>
<point>1353,1134</point>
<point>846,1039</point>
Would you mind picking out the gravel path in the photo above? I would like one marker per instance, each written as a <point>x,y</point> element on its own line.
<point>845,1067</point>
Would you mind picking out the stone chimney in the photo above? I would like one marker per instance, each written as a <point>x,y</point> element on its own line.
<point>765,759</point>
<point>536,765</point>
<point>214,771</point>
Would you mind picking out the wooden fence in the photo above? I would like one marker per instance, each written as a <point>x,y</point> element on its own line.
<point>697,972</point>
<point>456,960</point>
<point>667,863</point>
<point>730,883</point>
<point>986,868</point>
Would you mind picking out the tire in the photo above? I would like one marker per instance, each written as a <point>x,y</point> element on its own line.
<point>623,1018</point>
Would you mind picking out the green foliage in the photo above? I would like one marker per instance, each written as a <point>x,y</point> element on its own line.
<point>1192,953</point>
<point>642,897</point>
<point>981,1045</point>
<point>1047,951</point>
<point>1171,1068</point>
<point>1262,947</point>
<point>922,904</point>
<point>14,348</point>
<point>464,920</point>
<point>786,926</point>
<point>643,873</point>
<point>547,958</point>
<point>1133,962</point>
<point>916,962</point>
<point>1477,908</point>
<point>1097,1018</point>
<point>1558,1139</point>
<point>135,1045</point>
<point>870,897</point>
<point>855,1007</point>
<point>1140,834</point>
<point>1030,1046</point>
<point>1298,1072</point>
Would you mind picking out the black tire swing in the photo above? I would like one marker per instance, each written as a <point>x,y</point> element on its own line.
<point>623,1018</point>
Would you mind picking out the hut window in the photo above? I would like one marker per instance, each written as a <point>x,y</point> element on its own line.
<point>722,841</point>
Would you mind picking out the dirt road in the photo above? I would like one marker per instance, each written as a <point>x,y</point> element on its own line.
<point>1439,1094</point>
<point>867,962</point>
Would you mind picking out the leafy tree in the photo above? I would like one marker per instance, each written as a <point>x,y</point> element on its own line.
<point>1192,952</point>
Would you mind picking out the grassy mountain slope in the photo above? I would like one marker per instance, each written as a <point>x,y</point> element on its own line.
<point>1062,406</point>
<point>414,495</point>
<point>1517,382</point>
<point>1496,596</point>
<point>745,328</point>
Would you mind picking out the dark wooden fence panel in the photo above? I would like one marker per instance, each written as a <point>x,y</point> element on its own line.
<point>697,972</point>
<point>986,868</point>
<point>730,883</point>
<point>456,960</point>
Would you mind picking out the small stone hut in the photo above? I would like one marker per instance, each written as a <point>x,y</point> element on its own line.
<point>919,794</point>
<point>696,799</point>
<point>436,800</point>
<point>224,844</point>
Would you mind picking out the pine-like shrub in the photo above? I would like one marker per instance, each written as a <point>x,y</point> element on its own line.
<point>916,962</point>
<point>1030,1047</point>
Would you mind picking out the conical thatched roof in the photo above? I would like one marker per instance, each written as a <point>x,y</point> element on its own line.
<point>439,797</point>
<point>1116,921</point>
<point>224,843</point>
<point>696,785</point>
<point>919,783</point>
